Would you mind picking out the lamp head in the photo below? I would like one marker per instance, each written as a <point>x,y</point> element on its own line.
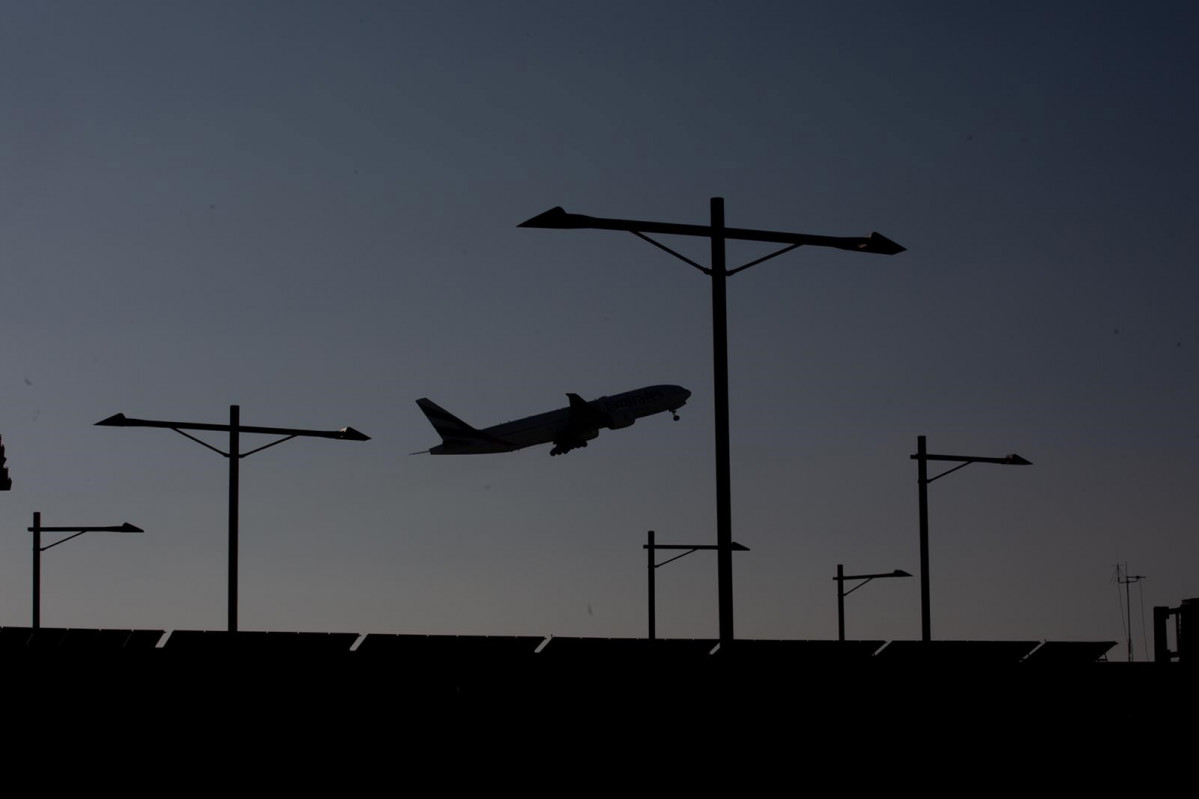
<point>116,420</point>
<point>880,245</point>
<point>556,218</point>
<point>129,528</point>
<point>350,434</point>
<point>1016,460</point>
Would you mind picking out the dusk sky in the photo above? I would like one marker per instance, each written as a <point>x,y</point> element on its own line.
<point>310,210</point>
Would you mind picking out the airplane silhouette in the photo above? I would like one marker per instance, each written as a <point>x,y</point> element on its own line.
<point>568,428</point>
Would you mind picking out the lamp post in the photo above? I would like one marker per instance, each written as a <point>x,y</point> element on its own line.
<point>842,593</point>
<point>235,428</point>
<point>37,529</point>
<point>650,547</point>
<point>922,457</point>
<point>717,233</point>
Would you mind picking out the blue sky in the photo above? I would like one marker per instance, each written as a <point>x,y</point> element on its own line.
<point>310,210</point>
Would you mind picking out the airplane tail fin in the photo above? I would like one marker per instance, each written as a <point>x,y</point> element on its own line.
<point>447,425</point>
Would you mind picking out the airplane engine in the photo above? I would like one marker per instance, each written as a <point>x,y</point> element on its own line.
<point>620,421</point>
<point>564,444</point>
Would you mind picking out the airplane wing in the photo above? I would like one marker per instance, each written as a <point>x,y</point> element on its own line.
<point>585,417</point>
<point>582,425</point>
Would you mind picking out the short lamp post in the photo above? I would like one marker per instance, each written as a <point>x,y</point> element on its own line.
<point>842,593</point>
<point>922,457</point>
<point>717,234</point>
<point>37,529</point>
<point>235,428</point>
<point>650,547</point>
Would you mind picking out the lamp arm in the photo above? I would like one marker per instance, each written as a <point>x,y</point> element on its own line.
<point>764,258</point>
<point>264,446</point>
<point>64,540</point>
<point>672,560</point>
<point>202,443</point>
<point>680,256</point>
<point>856,587</point>
<point>951,471</point>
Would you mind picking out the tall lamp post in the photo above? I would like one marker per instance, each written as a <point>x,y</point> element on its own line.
<point>922,457</point>
<point>842,593</point>
<point>652,565</point>
<point>235,428</point>
<point>558,219</point>
<point>37,529</point>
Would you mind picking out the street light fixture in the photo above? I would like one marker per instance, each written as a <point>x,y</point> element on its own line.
<point>37,529</point>
<point>842,593</point>
<point>558,219</point>
<point>922,456</point>
<point>235,428</point>
<point>650,547</point>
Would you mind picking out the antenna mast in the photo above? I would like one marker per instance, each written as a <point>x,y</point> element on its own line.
<point>1126,580</point>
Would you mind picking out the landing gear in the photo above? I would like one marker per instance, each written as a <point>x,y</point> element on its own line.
<point>563,447</point>
<point>674,413</point>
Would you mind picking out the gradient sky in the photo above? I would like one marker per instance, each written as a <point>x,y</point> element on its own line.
<point>310,210</point>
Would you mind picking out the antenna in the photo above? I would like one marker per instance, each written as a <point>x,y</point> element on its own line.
<point>1126,580</point>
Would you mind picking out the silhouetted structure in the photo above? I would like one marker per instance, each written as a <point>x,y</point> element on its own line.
<point>1067,653</point>
<point>717,234</point>
<point>235,428</point>
<point>922,457</point>
<point>652,566</point>
<point>1186,632</point>
<point>37,529</point>
<point>5,481</point>
<point>1125,579</point>
<point>842,593</point>
<point>344,684</point>
<point>82,641</point>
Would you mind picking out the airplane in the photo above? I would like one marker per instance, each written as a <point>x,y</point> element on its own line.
<point>568,428</point>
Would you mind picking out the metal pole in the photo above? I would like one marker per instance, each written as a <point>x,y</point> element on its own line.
<point>922,464</point>
<point>653,629</point>
<point>1127,606</point>
<point>37,569</point>
<point>234,464</point>
<point>840,602</point>
<point>720,352</point>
